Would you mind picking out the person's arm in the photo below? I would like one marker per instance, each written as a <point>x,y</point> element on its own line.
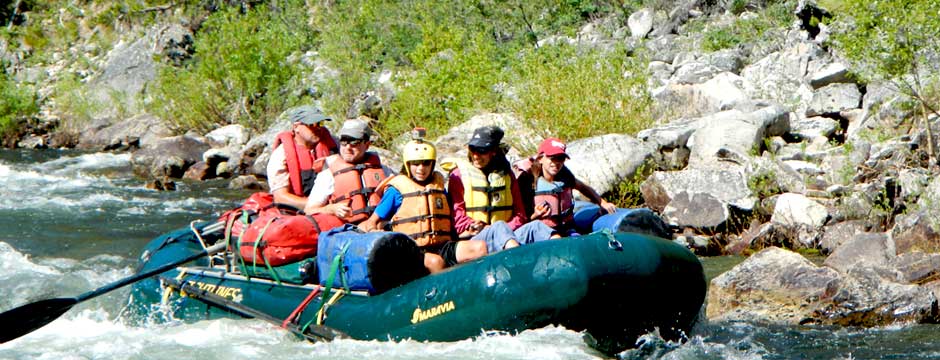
<point>462,222</point>
<point>318,200</point>
<point>387,207</point>
<point>518,207</point>
<point>592,195</point>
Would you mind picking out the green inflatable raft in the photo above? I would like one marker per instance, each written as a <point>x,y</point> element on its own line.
<point>614,286</point>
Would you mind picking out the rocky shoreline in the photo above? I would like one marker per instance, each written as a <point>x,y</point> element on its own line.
<point>763,152</point>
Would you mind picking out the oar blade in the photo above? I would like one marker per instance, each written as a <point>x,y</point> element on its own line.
<point>26,318</point>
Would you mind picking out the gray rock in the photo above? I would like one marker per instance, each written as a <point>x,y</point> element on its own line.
<point>808,128</point>
<point>869,249</point>
<point>142,131</point>
<point>700,211</point>
<point>834,98</point>
<point>640,23</point>
<point>247,182</point>
<point>796,209</point>
<point>604,161</point>
<point>870,296</point>
<point>229,135</point>
<point>839,233</point>
<point>772,285</point>
<point>730,60</point>
<point>694,73</point>
<point>916,231</point>
<point>519,136</point>
<point>169,157</point>
<point>726,183</point>
<point>917,267</point>
<point>829,74</point>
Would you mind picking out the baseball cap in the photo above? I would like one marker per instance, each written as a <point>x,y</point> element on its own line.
<point>307,114</point>
<point>356,129</point>
<point>487,137</point>
<point>552,147</point>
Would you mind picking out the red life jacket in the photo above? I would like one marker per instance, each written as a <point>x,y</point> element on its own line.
<point>356,183</point>
<point>276,238</point>
<point>301,161</point>
<point>559,199</point>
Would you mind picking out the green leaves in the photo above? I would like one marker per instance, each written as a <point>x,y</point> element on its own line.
<point>240,72</point>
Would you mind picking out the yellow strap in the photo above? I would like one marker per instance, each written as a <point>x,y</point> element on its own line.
<point>167,291</point>
<point>339,293</point>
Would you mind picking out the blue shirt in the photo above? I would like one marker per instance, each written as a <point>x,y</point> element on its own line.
<point>388,206</point>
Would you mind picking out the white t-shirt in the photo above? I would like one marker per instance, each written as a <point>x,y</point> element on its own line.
<point>278,175</point>
<point>323,186</point>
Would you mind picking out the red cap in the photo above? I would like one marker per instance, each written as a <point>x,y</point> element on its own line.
<point>552,146</point>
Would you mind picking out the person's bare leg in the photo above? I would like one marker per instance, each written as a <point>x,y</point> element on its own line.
<point>470,249</point>
<point>511,244</point>
<point>434,262</point>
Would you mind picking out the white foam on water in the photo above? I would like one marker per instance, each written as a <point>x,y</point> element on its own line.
<point>85,162</point>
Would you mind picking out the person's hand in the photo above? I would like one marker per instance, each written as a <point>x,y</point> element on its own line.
<point>541,210</point>
<point>610,208</point>
<point>341,210</point>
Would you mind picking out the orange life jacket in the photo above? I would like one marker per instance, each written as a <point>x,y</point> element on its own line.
<point>424,214</point>
<point>301,161</point>
<point>356,183</point>
<point>559,199</point>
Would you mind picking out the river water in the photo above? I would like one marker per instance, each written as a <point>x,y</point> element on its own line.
<point>72,222</point>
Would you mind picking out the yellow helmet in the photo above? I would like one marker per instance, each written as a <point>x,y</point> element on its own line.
<point>418,150</point>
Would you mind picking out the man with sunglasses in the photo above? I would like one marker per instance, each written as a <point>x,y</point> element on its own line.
<point>293,166</point>
<point>346,186</point>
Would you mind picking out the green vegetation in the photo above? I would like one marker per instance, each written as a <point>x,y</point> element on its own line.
<point>626,193</point>
<point>763,28</point>
<point>240,72</point>
<point>458,58</point>
<point>17,105</point>
<point>895,41</point>
<point>763,184</point>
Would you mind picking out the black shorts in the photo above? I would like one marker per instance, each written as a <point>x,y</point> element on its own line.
<point>447,251</point>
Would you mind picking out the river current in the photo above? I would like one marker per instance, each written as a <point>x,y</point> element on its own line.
<point>72,222</point>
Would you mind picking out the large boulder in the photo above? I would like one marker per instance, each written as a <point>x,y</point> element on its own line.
<point>169,157</point>
<point>833,98</point>
<point>604,161</point>
<point>872,296</point>
<point>733,135</point>
<point>773,285</point>
<point>869,249</point>
<point>519,136</point>
<point>143,130</point>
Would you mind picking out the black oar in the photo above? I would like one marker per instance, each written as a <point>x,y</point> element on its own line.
<point>312,333</point>
<point>26,318</point>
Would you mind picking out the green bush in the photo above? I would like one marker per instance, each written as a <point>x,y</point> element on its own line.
<point>574,93</point>
<point>239,73</point>
<point>763,28</point>
<point>17,105</point>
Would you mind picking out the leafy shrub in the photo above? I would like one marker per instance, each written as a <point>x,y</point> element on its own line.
<point>759,29</point>
<point>575,93</point>
<point>239,72</point>
<point>17,104</point>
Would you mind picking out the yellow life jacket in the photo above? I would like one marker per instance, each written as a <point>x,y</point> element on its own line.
<point>488,198</point>
<point>424,214</point>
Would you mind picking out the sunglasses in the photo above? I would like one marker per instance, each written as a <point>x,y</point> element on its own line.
<point>479,150</point>
<point>316,125</point>
<point>351,142</point>
<point>422,162</point>
<point>558,158</point>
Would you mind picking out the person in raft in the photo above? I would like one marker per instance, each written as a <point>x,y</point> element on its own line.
<point>415,203</point>
<point>292,169</point>
<point>548,183</point>
<point>346,185</point>
<point>486,198</point>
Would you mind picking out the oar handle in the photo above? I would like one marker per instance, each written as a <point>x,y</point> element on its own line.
<point>155,271</point>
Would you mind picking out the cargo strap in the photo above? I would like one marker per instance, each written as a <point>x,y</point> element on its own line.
<point>254,260</point>
<point>334,267</point>
<point>300,308</point>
